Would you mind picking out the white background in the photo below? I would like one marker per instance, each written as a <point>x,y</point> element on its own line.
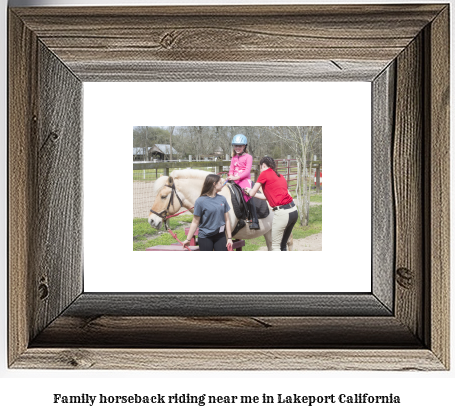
<point>30,391</point>
<point>342,108</point>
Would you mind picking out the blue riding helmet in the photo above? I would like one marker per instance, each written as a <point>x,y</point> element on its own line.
<point>239,140</point>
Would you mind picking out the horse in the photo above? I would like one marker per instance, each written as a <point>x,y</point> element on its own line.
<point>183,187</point>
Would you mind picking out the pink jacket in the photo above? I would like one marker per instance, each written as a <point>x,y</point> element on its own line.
<point>241,166</point>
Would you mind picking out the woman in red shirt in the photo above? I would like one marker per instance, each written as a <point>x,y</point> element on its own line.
<point>275,190</point>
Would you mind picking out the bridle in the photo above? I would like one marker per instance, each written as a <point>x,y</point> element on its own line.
<point>163,214</point>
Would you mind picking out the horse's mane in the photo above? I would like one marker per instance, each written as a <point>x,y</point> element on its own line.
<point>159,184</point>
<point>179,174</point>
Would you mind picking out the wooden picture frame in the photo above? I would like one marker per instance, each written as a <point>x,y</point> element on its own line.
<point>403,324</point>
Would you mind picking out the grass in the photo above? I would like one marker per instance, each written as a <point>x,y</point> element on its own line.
<point>314,224</point>
<point>316,197</point>
<point>145,236</point>
<point>142,229</point>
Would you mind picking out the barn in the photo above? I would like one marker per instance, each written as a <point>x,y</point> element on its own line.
<point>162,152</point>
<point>158,151</point>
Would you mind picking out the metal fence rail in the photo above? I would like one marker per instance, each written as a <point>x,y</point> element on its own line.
<point>289,169</point>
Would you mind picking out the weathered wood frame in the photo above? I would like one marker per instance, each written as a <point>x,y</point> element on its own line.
<point>403,50</point>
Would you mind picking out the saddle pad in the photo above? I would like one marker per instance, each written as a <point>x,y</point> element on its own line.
<point>240,206</point>
<point>262,207</point>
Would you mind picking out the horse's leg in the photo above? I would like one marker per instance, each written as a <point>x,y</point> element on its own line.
<point>268,240</point>
<point>290,243</point>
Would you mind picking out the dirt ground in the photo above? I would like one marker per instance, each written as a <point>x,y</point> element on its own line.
<point>311,243</point>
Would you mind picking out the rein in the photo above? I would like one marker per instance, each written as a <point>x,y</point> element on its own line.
<point>175,237</point>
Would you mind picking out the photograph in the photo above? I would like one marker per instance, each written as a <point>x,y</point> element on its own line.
<point>227,188</point>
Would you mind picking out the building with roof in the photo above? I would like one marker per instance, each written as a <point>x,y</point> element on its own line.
<point>162,151</point>
<point>158,151</point>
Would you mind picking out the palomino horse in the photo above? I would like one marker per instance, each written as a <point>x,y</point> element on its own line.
<point>183,187</point>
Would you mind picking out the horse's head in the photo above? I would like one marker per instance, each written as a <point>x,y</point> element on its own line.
<point>183,186</point>
<point>168,201</point>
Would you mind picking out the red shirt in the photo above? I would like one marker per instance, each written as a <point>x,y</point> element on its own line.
<point>275,188</point>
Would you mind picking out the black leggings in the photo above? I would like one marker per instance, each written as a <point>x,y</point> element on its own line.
<point>213,243</point>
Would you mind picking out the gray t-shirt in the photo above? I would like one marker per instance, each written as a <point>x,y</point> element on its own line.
<point>211,210</point>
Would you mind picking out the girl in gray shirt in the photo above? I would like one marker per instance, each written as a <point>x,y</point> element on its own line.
<point>211,216</point>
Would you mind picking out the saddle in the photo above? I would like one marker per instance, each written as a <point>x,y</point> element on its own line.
<point>241,210</point>
<point>238,202</point>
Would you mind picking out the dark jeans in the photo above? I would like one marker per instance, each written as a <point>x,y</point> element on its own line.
<point>213,243</point>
